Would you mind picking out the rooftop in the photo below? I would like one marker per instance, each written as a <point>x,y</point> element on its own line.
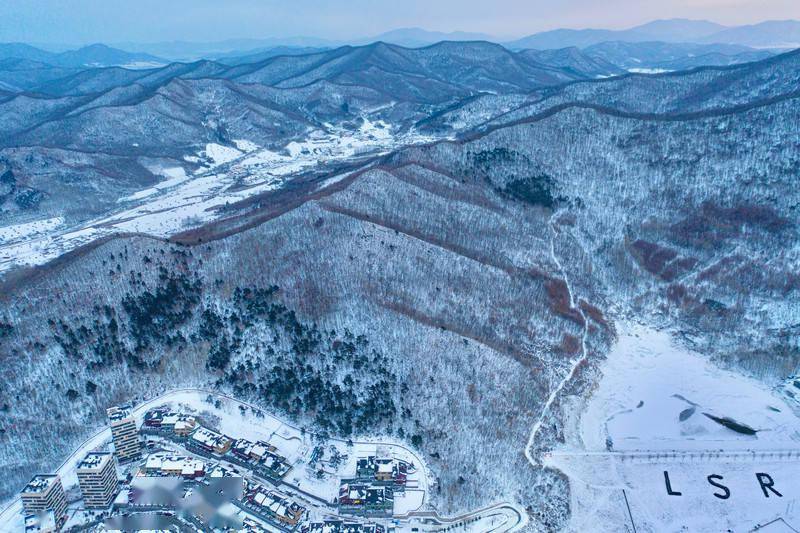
<point>277,503</point>
<point>167,462</point>
<point>209,438</point>
<point>94,461</point>
<point>40,483</point>
<point>118,413</point>
<point>365,493</point>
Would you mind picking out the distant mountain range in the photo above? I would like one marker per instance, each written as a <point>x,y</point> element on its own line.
<point>774,34</point>
<point>766,35</point>
<point>262,54</point>
<point>191,51</point>
<point>416,37</point>
<point>95,55</point>
<point>448,69</point>
<point>115,122</point>
<point>661,56</point>
<point>769,34</point>
<point>476,65</point>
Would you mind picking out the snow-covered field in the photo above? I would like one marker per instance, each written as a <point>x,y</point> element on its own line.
<point>648,416</point>
<point>20,231</point>
<point>648,70</point>
<point>653,396</point>
<point>228,174</point>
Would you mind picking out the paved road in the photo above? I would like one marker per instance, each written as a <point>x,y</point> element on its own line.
<point>515,519</point>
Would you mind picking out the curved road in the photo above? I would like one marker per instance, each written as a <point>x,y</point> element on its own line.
<point>511,513</point>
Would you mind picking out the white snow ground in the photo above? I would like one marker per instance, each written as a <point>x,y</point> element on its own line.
<point>185,201</point>
<point>648,382</point>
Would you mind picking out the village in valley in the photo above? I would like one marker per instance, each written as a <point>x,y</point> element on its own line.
<point>196,461</point>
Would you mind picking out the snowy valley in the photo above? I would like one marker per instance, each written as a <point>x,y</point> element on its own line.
<point>222,175</point>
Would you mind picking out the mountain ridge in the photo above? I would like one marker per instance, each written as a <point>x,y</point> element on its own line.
<point>676,30</point>
<point>768,34</point>
<point>579,196</point>
<point>91,55</point>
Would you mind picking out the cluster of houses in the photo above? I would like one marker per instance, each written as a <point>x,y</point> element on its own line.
<point>371,492</point>
<point>169,464</point>
<point>166,479</point>
<point>163,481</point>
<point>383,470</point>
<point>260,457</point>
<point>273,505</point>
<point>365,499</point>
<point>263,457</point>
<point>180,424</point>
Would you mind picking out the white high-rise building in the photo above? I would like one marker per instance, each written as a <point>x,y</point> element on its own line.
<point>97,477</point>
<point>127,445</point>
<point>45,494</point>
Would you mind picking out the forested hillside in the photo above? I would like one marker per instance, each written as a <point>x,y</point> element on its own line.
<point>450,294</point>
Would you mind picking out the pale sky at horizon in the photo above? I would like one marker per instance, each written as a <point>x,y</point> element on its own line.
<point>113,21</point>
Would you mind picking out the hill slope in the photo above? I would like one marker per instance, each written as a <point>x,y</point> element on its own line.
<point>459,291</point>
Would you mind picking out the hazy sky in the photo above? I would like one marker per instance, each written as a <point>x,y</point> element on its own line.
<point>85,21</point>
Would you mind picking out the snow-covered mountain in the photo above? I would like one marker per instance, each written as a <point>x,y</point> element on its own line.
<point>123,127</point>
<point>459,246</point>
<point>661,56</point>
<point>96,55</point>
<point>417,37</point>
<point>769,34</point>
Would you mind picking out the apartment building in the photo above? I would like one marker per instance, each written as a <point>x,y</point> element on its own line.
<point>45,493</point>
<point>127,445</point>
<point>97,477</point>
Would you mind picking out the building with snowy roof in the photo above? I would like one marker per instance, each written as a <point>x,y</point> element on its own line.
<point>168,464</point>
<point>366,498</point>
<point>170,422</point>
<point>43,493</point>
<point>124,433</point>
<point>276,505</point>
<point>382,470</point>
<point>211,441</point>
<point>97,478</point>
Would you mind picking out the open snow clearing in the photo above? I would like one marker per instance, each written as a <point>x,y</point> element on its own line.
<point>670,442</point>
